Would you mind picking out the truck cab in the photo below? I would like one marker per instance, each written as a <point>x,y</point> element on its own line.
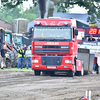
<point>54,46</point>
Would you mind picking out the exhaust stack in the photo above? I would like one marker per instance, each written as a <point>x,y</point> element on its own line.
<point>42,7</point>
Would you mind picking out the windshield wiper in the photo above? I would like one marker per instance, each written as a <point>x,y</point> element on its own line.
<point>51,38</point>
<point>39,38</point>
<point>59,38</point>
<point>46,38</point>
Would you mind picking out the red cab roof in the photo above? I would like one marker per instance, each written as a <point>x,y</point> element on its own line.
<point>55,22</point>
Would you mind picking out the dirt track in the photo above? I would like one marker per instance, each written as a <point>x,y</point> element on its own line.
<point>26,86</point>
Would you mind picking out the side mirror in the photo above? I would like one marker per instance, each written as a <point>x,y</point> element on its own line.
<point>76,32</point>
<point>30,33</point>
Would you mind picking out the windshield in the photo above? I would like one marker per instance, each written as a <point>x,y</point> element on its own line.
<point>52,32</point>
<point>17,40</point>
<point>8,39</point>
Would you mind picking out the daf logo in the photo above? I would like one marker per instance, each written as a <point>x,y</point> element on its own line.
<point>52,43</point>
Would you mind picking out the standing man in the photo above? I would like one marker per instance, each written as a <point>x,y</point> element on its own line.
<point>21,56</point>
<point>3,57</point>
<point>28,57</point>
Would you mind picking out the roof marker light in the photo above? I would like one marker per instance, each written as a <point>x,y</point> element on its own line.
<point>66,23</point>
<point>38,22</point>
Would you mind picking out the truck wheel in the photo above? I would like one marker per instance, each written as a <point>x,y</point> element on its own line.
<point>71,73</point>
<point>44,72</point>
<point>36,72</point>
<point>97,71</point>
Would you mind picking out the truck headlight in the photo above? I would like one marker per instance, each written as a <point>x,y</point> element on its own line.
<point>38,22</point>
<point>67,61</point>
<point>66,23</point>
<point>35,61</point>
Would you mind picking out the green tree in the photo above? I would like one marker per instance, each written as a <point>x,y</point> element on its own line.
<point>28,15</point>
<point>92,6</point>
<point>18,12</point>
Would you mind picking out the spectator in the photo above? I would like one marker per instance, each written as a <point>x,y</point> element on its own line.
<point>3,56</point>
<point>28,57</point>
<point>21,56</point>
<point>91,38</point>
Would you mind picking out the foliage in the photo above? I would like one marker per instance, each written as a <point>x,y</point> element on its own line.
<point>92,6</point>
<point>17,12</point>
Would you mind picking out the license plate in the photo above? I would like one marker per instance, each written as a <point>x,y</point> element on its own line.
<point>51,66</point>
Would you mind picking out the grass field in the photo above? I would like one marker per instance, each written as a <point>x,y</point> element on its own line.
<point>15,69</point>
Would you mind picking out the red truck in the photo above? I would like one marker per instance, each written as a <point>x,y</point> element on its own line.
<point>54,47</point>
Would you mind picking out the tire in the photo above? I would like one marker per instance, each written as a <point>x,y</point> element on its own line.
<point>8,65</point>
<point>36,72</point>
<point>45,73</point>
<point>16,56</point>
<point>10,56</point>
<point>13,56</point>
<point>97,71</point>
<point>71,73</point>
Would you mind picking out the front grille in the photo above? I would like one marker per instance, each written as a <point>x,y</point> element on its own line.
<point>51,50</point>
<point>51,60</point>
<point>46,46</point>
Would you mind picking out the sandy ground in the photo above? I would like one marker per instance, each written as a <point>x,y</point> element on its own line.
<point>24,85</point>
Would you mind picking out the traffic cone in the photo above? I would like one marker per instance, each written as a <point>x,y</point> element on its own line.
<point>85,97</point>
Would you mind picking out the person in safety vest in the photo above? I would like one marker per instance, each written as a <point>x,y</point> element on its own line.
<point>21,56</point>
